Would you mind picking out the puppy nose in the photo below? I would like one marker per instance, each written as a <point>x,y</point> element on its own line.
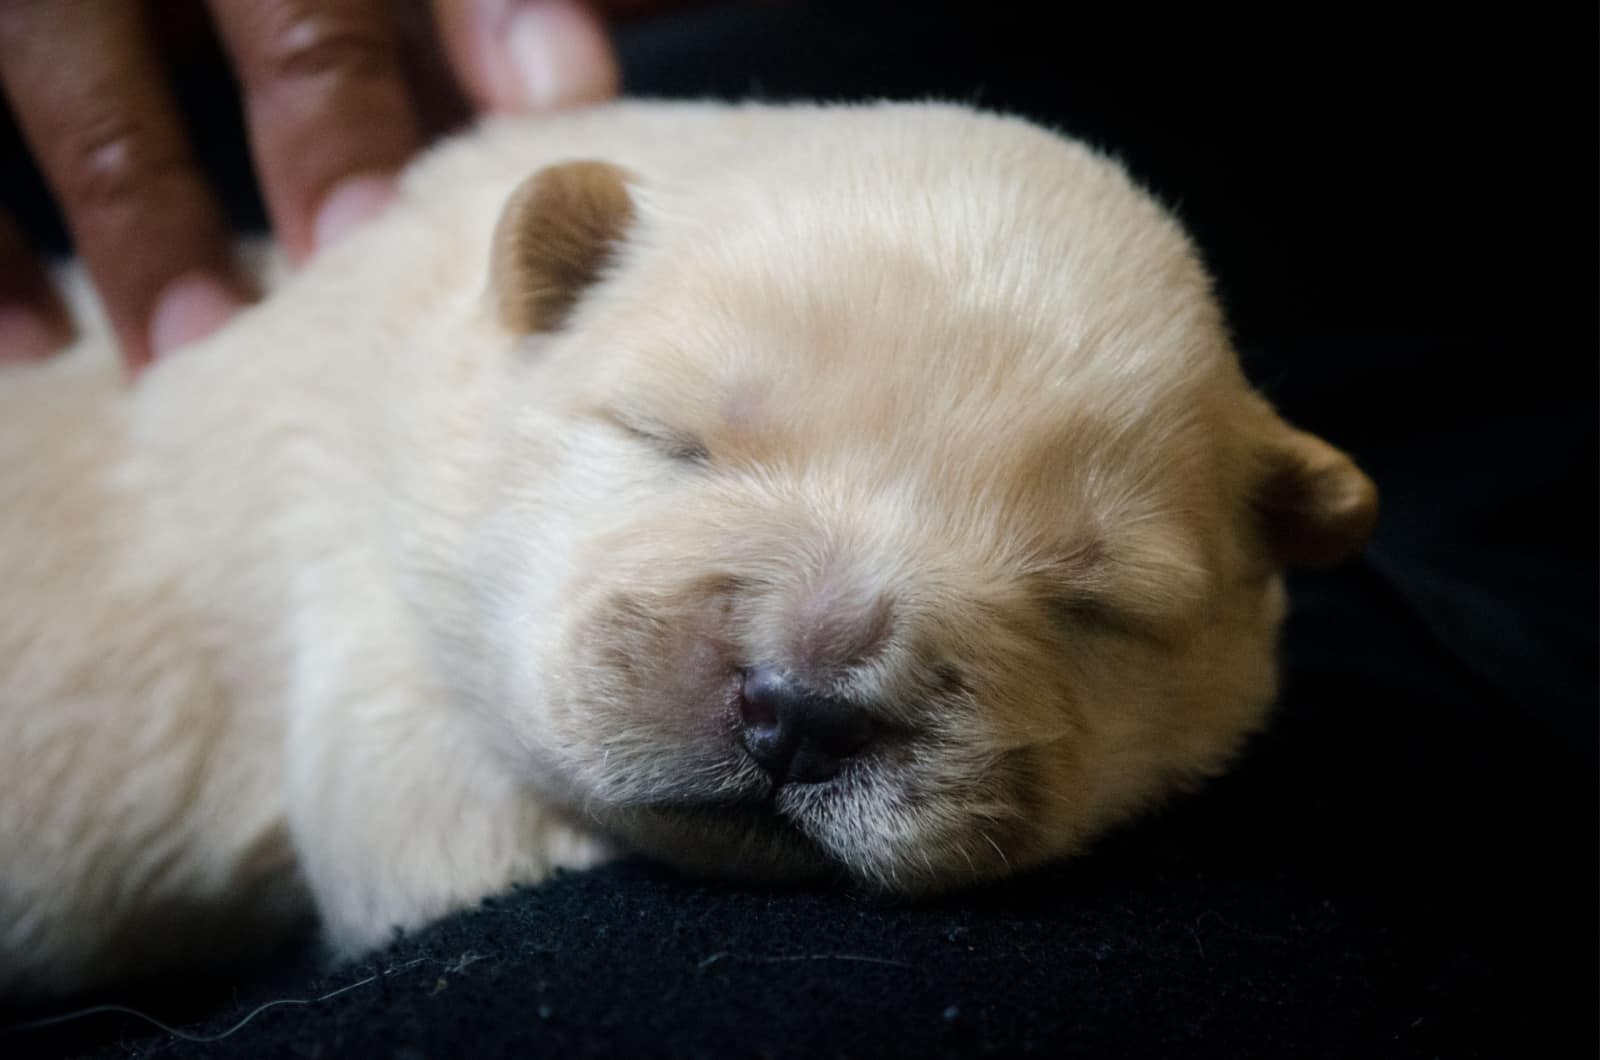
<point>795,733</point>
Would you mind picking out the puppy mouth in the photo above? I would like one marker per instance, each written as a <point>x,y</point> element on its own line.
<point>762,808</point>
<point>853,827</point>
<point>763,840</point>
<point>799,793</point>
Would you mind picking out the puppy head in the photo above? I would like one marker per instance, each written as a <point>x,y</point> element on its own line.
<point>898,505</point>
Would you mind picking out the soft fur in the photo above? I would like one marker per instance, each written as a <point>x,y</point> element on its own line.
<point>438,569</point>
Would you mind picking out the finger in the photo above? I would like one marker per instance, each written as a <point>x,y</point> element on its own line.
<point>635,8</point>
<point>435,93</point>
<point>528,54</point>
<point>91,102</point>
<point>33,324</point>
<point>330,120</point>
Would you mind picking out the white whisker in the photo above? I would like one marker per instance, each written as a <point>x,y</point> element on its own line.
<point>1002,854</point>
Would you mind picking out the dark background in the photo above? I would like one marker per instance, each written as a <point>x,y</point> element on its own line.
<point>1399,202</point>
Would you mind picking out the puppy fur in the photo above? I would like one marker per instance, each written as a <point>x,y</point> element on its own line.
<point>439,568</point>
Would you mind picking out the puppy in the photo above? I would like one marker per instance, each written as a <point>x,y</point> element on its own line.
<point>775,491</point>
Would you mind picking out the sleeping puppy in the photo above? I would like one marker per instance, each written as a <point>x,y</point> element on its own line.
<point>776,491</point>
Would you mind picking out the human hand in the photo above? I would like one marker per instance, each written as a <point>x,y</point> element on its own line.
<point>330,114</point>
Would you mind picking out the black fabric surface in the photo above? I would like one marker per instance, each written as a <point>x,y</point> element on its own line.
<point>1400,205</point>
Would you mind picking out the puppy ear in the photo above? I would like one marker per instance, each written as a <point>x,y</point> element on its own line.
<point>1316,506</point>
<point>557,233</point>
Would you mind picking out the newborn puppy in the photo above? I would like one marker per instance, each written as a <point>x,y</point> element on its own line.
<point>777,491</point>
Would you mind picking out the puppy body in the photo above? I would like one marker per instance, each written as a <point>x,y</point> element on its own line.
<point>425,577</point>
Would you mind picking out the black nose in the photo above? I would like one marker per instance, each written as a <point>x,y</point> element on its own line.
<point>795,733</point>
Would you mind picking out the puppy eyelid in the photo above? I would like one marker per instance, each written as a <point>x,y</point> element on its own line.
<point>1089,613</point>
<point>1086,610</point>
<point>1076,611</point>
<point>1071,588</point>
<point>671,443</point>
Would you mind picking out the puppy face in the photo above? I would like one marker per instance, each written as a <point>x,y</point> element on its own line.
<point>905,515</point>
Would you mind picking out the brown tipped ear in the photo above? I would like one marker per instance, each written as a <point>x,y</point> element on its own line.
<point>1317,507</point>
<point>556,235</point>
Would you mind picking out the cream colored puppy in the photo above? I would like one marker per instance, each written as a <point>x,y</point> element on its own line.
<point>773,490</point>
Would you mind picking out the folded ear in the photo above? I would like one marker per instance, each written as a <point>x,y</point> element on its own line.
<point>1316,506</point>
<point>557,233</point>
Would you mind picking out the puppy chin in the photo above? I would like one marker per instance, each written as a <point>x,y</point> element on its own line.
<point>748,840</point>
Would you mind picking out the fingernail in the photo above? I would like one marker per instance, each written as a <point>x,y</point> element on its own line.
<point>27,335</point>
<point>189,308</point>
<point>560,55</point>
<point>348,205</point>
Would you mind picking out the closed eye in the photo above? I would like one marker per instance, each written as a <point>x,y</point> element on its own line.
<point>1081,613</point>
<point>681,446</point>
<point>1076,611</point>
<point>1073,590</point>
